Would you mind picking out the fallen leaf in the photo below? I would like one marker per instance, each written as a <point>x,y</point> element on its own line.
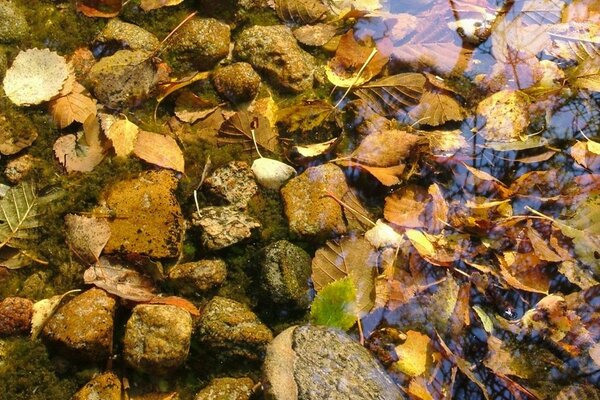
<point>123,135</point>
<point>81,153</point>
<point>75,106</point>
<point>388,96</point>
<point>524,271</point>
<point>315,120</point>
<point>406,206</point>
<point>190,107</point>
<point>436,108</point>
<point>177,302</point>
<point>43,310</point>
<point>445,143</point>
<point>417,388</point>
<point>335,305</point>
<point>414,355</point>
<point>99,8</point>
<point>506,116</point>
<point>304,154</point>
<point>306,12</point>
<point>540,247</point>
<point>315,35</point>
<point>239,127</point>
<point>87,236</point>
<point>387,148</point>
<point>437,217</point>
<point>148,5</point>
<point>387,176</point>
<point>119,280</point>
<point>586,75</point>
<point>420,241</point>
<point>383,235</point>
<point>159,150</point>
<point>168,88</point>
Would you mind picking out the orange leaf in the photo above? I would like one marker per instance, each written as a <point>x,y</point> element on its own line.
<point>159,150</point>
<point>100,8</point>
<point>177,302</point>
<point>72,107</point>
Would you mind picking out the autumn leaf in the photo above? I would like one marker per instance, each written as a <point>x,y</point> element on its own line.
<point>524,271</point>
<point>421,242</point>
<point>74,106</point>
<point>123,135</point>
<point>335,305</point>
<point>44,309</point>
<point>387,148</point>
<point>406,206</point>
<point>315,120</point>
<point>148,5</point>
<point>99,8</point>
<point>506,116</point>
<point>239,127</point>
<point>160,150</point>
<point>586,75</point>
<point>81,152</point>
<point>303,13</point>
<point>414,355</point>
<point>315,35</point>
<point>177,302</point>
<point>388,96</point>
<point>120,280</point>
<point>190,107</point>
<point>86,236</point>
<point>387,176</point>
<point>436,108</point>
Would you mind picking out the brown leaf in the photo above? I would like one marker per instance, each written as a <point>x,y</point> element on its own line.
<point>437,217</point>
<point>584,157</point>
<point>87,236</point>
<point>406,206</point>
<point>119,280</point>
<point>436,108</point>
<point>238,129</point>
<point>524,271</point>
<point>315,35</point>
<point>387,176</point>
<point>75,106</point>
<point>159,150</point>
<point>506,114</point>
<point>190,107</point>
<point>388,96</point>
<point>177,302</point>
<point>302,13</point>
<point>123,135</point>
<point>386,148</point>
<point>540,247</point>
<point>99,8</point>
<point>148,5</point>
<point>82,152</point>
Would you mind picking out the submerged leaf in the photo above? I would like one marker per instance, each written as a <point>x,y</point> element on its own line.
<point>160,150</point>
<point>239,128</point>
<point>506,116</point>
<point>388,96</point>
<point>335,305</point>
<point>436,108</point>
<point>414,355</point>
<point>387,148</point>
<point>100,8</point>
<point>148,5</point>
<point>119,280</point>
<point>75,106</point>
<point>123,135</point>
<point>43,310</point>
<point>304,12</point>
<point>87,236</point>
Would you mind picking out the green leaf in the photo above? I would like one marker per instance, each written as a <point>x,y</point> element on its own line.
<point>335,305</point>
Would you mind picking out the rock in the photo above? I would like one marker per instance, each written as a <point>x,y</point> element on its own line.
<point>201,42</point>
<point>236,82</point>
<point>227,389</point>
<point>17,132</point>
<point>309,209</point>
<point>198,276</point>
<point>233,183</point>
<point>3,64</point>
<point>273,50</point>
<point>123,79</point>
<point>15,315</point>
<point>271,174</point>
<point>149,217</point>
<point>285,270</point>
<point>157,338</point>
<point>106,386</point>
<point>13,25</point>
<point>127,35</point>
<point>231,329</point>
<point>313,362</point>
<point>223,226</point>
<point>83,327</point>
<point>18,168</point>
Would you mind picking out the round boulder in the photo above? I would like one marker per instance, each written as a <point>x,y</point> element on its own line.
<point>13,25</point>
<point>106,386</point>
<point>127,35</point>
<point>198,276</point>
<point>202,42</point>
<point>15,315</point>
<point>314,362</point>
<point>157,338</point>
<point>237,82</point>
<point>227,388</point>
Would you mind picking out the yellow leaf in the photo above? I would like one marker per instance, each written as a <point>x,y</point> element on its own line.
<point>420,242</point>
<point>418,389</point>
<point>593,147</point>
<point>43,310</point>
<point>74,106</point>
<point>414,355</point>
<point>160,150</point>
<point>148,5</point>
<point>123,135</point>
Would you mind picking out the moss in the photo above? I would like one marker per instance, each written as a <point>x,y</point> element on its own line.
<point>268,209</point>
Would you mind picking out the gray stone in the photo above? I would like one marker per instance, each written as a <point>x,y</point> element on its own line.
<point>157,338</point>
<point>13,25</point>
<point>310,210</point>
<point>223,226</point>
<point>227,389</point>
<point>232,329</point>
<point>83,327</point>
<point>313,363</point>
<point>127,35</point>
<point>201,42</point>
<point>237,82</point>
<point>285,270</point>
<point>233,183</point>
<point>124,79</point>
<point>273,50</point>
<point>198,276</point>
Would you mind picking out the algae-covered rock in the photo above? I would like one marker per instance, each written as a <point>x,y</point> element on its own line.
<point>124,79</point>
<point>83,327</point>
<point>285,271</point>
<point>227,389</point>
<point>314,362</point>
<point>237,82</point>
<point>232,183</point>
<point>149,219</point>
<point>223,226</point>
<point>18,168</point>
<point>310,210</point>
<point>273,50</point>
<point>13,25</point>
<point>127,35</point>
<point>201,41</point>
<point>15,315</point>
<point>106,386</point>
<point>198,276</point>
<point>17,132</point>
<point>157,338</point>
<point>232,329</point>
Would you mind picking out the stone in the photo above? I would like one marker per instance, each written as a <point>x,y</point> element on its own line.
<point>83,327</point>
<point>124,79</point>
<point>15,316</point>
<point>223,226</point>
<point>232,183</point>
<point>230,328</point>
<point>237,82</point>
<point>17,132</point>
<point>315,362</point>
<point>106,386</point>
<point>285,271</point>
<point>202,42</point>
<point>18,168</point>
<point>227,389</point>
<point>310,210</point>
<point>149,219</point>
<point>157,338</point>
<point>127,36</point>
<point>273,51</point>
<point>197,276</point>
<point>13,25</point>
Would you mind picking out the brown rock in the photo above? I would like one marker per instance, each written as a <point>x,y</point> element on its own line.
<point>106,386</point>
<point>19,167</point>
<point>201,42</point>
<point>223,226</point>
<point>15,315</point>
<point>149,219</point>
<point>198,276</point>
<point>234,183</point>
<point>227,389</point>
<point>237,82</point>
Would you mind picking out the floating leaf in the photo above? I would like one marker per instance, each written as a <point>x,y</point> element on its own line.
<point>83,152</point>
<point>506,116</point>
<point>123,135</point>
<point>148,5</point>
<point>317,120</point>
<point>75,106</point>
<point>335,305</point>
<point>586,75</point>
<point>574,41</point>
<point>388,176</point>
<point>385,148</point>
<point>43,310</point>
<point>406,206</point>
<point>239,127</point>
<point>436,108</point>
<point>421,242</point>
<point>383,235</point>
<point>87,236</point>
<point>159,150</point>
<point>387,96</point>
<point>99,8</point>
<point>414,355</point>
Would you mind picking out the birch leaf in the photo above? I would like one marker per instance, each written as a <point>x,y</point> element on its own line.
<point>238,129</point>
<point>385,148</point>
<point>75,106</point>
<point>148,5</point>
<point>335,305</point>
<point>87,236</point>
<point>81,152</point>
<point>436,108</point>
<point>123,135</point>
<point>99,8</point>
<point>159,150</point>
<point>388,96</point>
<point>119,280</point>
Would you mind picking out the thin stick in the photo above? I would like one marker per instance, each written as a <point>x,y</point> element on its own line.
<point>373,52</point>
<point>255,144</point>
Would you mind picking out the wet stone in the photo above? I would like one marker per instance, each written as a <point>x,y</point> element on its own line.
<point>223,226</point>
<point>15,316</point>
<point>202,42</point>
<point>16,169</point>
<point>124,79</point>
<point>237,82</point>
<point>198,276</point>
<point>17,132</point>
<point>149,220</point>
<point>314,362</point>
<point>106,386</point>
<point>83,327</point>
<point>285,270</point>
<point>273,50</point>
<point>230,328</point>
<point>233,183</point>
<point>127,35</point>
<point>157,338</point>
<point>227,389</point>
<point>309,209</point>
<point>13,25</point>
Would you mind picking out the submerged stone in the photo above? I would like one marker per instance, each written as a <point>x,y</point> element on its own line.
<point>198,276</point>
<point>18,168</point>
<point>237,82</point>
<point>15,315</point>
<point>314,362</point>
<point>128,36</point>
<point>148,217</point>
<point>13,25</point>
<point>227,389</point>
<point>233,183</point>
<point>223,226</point>
<point>106,386</point>
<point>17,132</point>
<point>202,42</point>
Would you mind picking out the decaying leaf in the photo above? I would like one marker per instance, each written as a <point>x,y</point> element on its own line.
<point>123,135</point>
<point>388,176</point>
<point>388,96</point>
<point>120,280</point>
<point>81,152</point>
<point>383,235</point>
<point>414,355</point>
<point>335,305</point>
<point>100,8</point>
<point>159,150</point>
<point>309,122</point>
<point>586,75</point>
<point>524,271</point>
<point>506,115</point>
<point>305,12</point>
<point>315,35</point>
<point>421,242</point>
<point>406,207</point>
<point>386,148</point>
<point>87,236</point>
<point>148,5</point>
<point>74,106</point>
<point>43,310</point>
<point>436,108</point>
<point>239,128</point>
<point>177,302</point>
<point>190,107</point>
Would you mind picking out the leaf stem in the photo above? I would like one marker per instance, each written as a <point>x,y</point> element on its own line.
<point>373,52</point>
